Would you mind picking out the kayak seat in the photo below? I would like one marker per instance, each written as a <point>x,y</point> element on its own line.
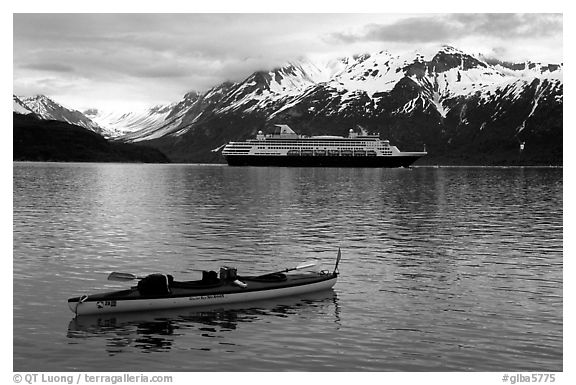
<point>209,279</point>
<point>155,285</point>
<point>272,277</point>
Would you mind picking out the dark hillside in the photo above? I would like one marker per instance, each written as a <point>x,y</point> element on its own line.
<point>51,140</point>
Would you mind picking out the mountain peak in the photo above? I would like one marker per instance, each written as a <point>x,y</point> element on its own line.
<point>449,49</point>
<point>192,95</point>
<point>40,99</point>
<point>46,108</point>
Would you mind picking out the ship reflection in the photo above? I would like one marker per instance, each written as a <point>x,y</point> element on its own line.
<point>159,330</point>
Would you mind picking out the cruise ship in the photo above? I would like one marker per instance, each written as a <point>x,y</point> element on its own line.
<point>286,148</point>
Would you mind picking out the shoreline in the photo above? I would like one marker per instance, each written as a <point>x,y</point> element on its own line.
<point>224,164</point>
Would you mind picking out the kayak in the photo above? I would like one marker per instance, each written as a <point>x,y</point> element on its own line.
<point>161,291</point>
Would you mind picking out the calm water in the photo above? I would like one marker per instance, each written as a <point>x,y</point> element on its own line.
<point>450,269</point>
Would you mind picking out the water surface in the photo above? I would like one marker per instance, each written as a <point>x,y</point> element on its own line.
<point>449,269</point>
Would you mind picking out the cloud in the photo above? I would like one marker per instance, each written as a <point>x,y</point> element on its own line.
<point>49,67</point>
<point>507,25</point>
<point>163,56</point>
<point>415,29</point>
<point>444,28</point>
<point>148,45</point>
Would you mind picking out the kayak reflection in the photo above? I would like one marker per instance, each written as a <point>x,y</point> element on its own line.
<point>158,331</point>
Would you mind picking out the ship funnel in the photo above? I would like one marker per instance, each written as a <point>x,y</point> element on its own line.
<point>285,129</point>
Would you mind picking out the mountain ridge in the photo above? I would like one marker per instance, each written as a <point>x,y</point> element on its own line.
<point>37,139</point>
<point>48,109</point>
<point>290,83</point>
<point>436,97</point>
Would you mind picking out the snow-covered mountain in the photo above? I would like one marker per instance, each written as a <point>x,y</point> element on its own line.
<point>440,97</point>
<point>441,75</point>
<point>382,84</point>
<point>453,102</point>
<point>47,109</point>
<point>20,107</point>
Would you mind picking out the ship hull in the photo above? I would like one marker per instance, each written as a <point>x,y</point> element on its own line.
<point>322,161</point>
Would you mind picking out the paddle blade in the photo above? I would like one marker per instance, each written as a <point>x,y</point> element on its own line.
<point>115,276</point>
<point>338,257</point>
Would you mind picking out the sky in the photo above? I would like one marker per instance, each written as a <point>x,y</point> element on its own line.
<point>124,61</point>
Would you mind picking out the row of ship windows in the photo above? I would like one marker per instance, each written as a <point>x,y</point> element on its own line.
<point>304,153</point>
<point>326,152</point>
<point>317,148</point>
<point>319,142</point>
<point>316,144</point>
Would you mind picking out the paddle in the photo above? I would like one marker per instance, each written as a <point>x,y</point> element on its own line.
<point>115,276</point>
<point>299,267</point>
